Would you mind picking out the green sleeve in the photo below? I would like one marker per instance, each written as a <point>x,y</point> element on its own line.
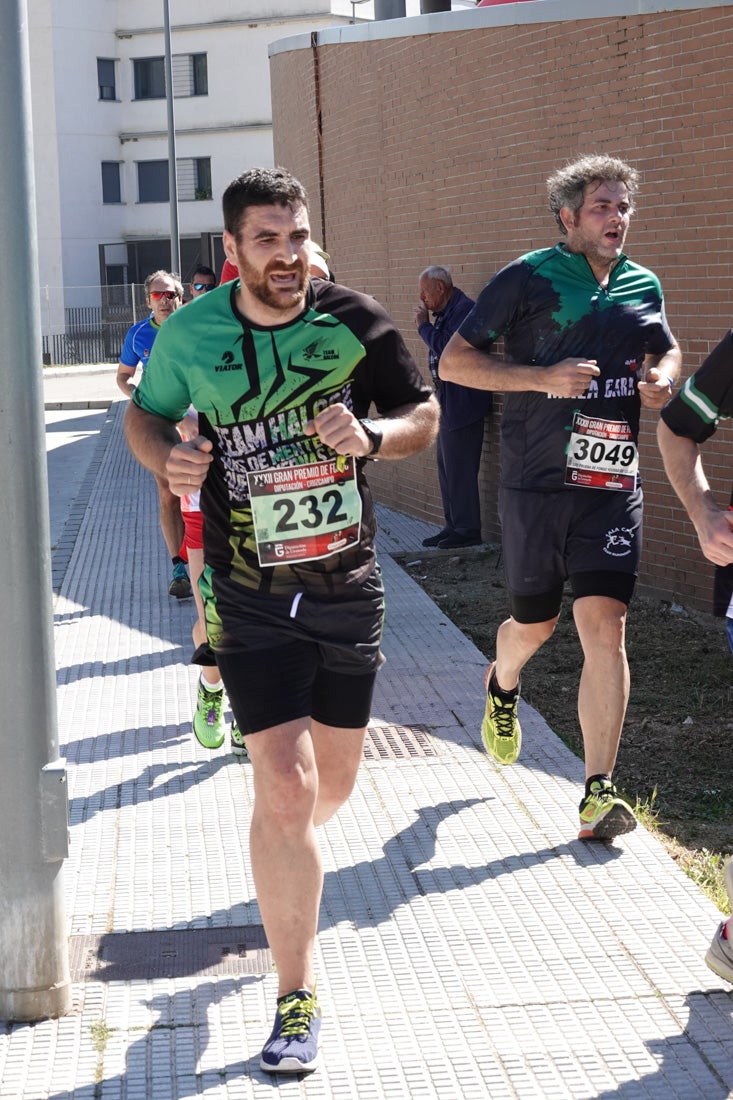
<point>163,389</point>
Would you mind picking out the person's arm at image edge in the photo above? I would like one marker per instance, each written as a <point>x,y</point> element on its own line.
<point>684,469</point>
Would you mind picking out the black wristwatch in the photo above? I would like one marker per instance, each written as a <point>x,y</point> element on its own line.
<point>374,433</point>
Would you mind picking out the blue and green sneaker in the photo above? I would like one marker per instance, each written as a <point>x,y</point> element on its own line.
<point>293,1044</point>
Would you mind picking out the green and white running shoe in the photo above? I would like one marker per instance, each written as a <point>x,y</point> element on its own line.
<point>208,718</point>
<point>500,729</point>
<point>239,745</point>
<point>603,814</point>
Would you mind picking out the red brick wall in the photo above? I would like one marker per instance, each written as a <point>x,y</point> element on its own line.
<point>435,149</point>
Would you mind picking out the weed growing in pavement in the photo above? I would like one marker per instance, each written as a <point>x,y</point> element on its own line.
<point>100,1032</point>
<point>706,869</point>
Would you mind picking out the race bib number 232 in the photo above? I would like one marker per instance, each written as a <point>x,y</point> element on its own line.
<point>302,513</point>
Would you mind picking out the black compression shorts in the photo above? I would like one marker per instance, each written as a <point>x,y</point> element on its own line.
<point>590,536</point>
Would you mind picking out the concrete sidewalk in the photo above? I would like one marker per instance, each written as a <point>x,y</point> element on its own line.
<point>469,945</point>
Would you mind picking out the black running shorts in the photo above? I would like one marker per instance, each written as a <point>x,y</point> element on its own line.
<point>303,656</point>
<point>590,536</point>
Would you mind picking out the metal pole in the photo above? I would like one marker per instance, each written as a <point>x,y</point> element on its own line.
<point>172,182</point>
<point>34,961</point>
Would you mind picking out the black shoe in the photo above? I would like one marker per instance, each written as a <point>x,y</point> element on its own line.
<point>454,542</point>
<point>435,539</point>
<point>180,585</point>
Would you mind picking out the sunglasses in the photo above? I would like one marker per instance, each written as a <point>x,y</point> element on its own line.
<point>156,295</point>
<point>203,286</point>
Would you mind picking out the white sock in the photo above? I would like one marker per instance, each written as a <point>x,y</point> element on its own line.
<point>212,687</point>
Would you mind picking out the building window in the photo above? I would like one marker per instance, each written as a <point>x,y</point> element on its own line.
<point>149,77</point>
<point>106,78</point>
<point>111,191</point>
<point>199,74</point>
<point>152,181</point>
<point>193,175</point>
<point>193,179</point>
<point>190,74</point>
<point>189,71</point>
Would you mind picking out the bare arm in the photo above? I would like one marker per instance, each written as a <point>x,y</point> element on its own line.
<point>405,430</point>
<point>466,365</point>
<point>156,444</point>
<point>125,376</point>
<point>684,469</point>
<point>660,374</point>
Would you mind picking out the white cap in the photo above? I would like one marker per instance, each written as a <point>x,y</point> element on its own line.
<point>318,261</point>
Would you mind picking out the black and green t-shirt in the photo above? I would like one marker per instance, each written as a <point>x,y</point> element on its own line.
<point>548,306</point>
<point>254,390</point>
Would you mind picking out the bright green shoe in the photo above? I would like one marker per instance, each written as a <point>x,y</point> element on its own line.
<point>239,745</point>
<point>500,729</point>
<point>603,815</point>
<point>208,718</point>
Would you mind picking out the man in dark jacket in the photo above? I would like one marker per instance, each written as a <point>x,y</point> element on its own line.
<point>462,413</point>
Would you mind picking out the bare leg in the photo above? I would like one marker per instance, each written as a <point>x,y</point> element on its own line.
<point>604,682</point>
<point>171,521</point>
<point>338,756</point>
<point>516,643</point>
<point>210,673</point>
<point>286,861</point>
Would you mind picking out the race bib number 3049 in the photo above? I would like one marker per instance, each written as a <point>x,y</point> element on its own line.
<point>602,454</point>
<point>302,513</point>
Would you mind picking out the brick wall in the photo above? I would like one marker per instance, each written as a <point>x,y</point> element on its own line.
<point>435,149</point>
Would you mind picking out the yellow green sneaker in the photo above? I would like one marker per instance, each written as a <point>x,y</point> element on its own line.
<point>603,815</point>
<point>500,729</point>
<point>208,718</point>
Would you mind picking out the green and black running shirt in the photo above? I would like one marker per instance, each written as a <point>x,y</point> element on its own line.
<point>548,306</point>
<point>254,390</point>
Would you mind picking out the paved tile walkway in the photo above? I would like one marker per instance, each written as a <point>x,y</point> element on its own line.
<point>469,945</point>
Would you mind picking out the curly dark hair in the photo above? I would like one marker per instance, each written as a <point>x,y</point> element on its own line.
<point>566,187</point>
<point>260,187</point>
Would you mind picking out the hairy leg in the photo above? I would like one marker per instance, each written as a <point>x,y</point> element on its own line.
<point>286,860</point>
<point>604,681</point>
<point>516,643</point>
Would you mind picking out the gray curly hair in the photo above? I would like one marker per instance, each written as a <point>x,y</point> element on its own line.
<point>161,274</point>
<point>566,187</point>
